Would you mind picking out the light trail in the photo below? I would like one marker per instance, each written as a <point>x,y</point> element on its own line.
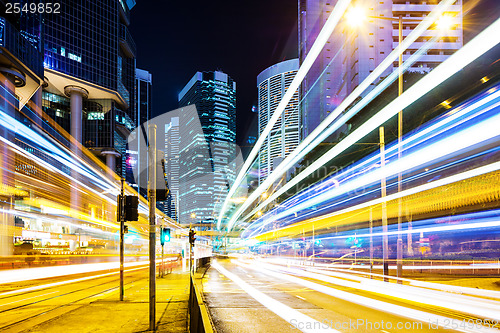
<point>397,310</point>
<point>351,274</point>
<point>321,132</point>
<point>65,158</point>
<point>483,42</point>
<point>55,284</point>
<point>16,127</point>
<point>434,152</point>
<point>453,120</point>
<point>27,274</point>
<point>460,303</point>
<point>319,43</point>
<point>287,313</point>
<point>441,182</point>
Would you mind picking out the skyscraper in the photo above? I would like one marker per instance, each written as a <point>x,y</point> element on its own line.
<point>284,137</point>
<point>206,159</point>
<point>351,54</point>
<point>172,166</point>
<point>90,75</point>
<point>139,158</point>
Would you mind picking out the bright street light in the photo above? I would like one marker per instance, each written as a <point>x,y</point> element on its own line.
<point>355,16</point>
<point>239,200</point>
<point>444,22</point>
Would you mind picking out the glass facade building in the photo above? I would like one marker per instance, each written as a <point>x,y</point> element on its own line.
<point>172,166</point>
<point>352,53</point>
<point>88,46</point>
<point>207,157</point>
<point>139,157</point>
<point>272,83</point>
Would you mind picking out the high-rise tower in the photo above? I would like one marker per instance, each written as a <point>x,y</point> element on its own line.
<point>90,70</point>
<point>139,157</point>
<point>351,54</point>
<point>272,83</point>
<point>206,158</point>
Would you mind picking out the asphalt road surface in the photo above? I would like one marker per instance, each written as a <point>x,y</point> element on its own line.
<point>252,296</point>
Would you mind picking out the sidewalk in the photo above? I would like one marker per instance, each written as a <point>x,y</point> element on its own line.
<point>108,314</point>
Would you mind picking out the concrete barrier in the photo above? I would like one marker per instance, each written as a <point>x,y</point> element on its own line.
<point>199,319</point>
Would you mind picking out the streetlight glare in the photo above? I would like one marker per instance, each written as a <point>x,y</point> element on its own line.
<point>239,200</point>
<point>444,22</point>
<point>355,16</point>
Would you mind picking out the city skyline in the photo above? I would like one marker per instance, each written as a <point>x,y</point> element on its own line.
<point>365,195</point>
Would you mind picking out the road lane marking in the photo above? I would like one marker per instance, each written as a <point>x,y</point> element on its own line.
<point>292,316</point>
<point>24,299</point>
<point>300,297</point>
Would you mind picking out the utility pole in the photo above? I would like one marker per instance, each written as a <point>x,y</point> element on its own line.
<point>162,271</point>
<point>400,135</point>
<point>314,245</point>
<point>371,243</point>
<point>385,240</point>
<point>152,227</point>
<point>192,233</point>
<point>121,216</point>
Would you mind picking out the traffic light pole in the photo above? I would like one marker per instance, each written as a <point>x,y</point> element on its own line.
<point>152,227</point>
<point>162,270</point>
<point>191,245</point>
<point>122,233</point>
<point>190,248</point>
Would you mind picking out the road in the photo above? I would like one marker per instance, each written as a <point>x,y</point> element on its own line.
<point>259,296</point>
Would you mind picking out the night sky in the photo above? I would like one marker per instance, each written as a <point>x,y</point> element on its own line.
<point>177,38</point>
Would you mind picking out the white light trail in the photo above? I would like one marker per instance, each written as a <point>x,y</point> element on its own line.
<point>441,182</point>
<point>471,51</point>
<point>26,274</point>
<point>397,310</point>
<point>454,143</point>
<point>460,303</point>
<point>55,284</point>
<point>455,120</point>
<point>316,48</point>
<point>287,313</point>
<point>321,132</point>
<point>430,285</point>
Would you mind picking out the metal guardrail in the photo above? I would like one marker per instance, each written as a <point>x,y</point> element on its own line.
<point>199,319</point>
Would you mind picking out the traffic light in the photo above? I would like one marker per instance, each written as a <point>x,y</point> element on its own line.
<point>191,237</point>
<point>162,190</point>
<point>165,236</point>
<point>119,202</point>
<point>131,211</point>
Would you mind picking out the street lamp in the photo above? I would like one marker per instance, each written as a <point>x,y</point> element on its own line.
<point>354,17</point>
